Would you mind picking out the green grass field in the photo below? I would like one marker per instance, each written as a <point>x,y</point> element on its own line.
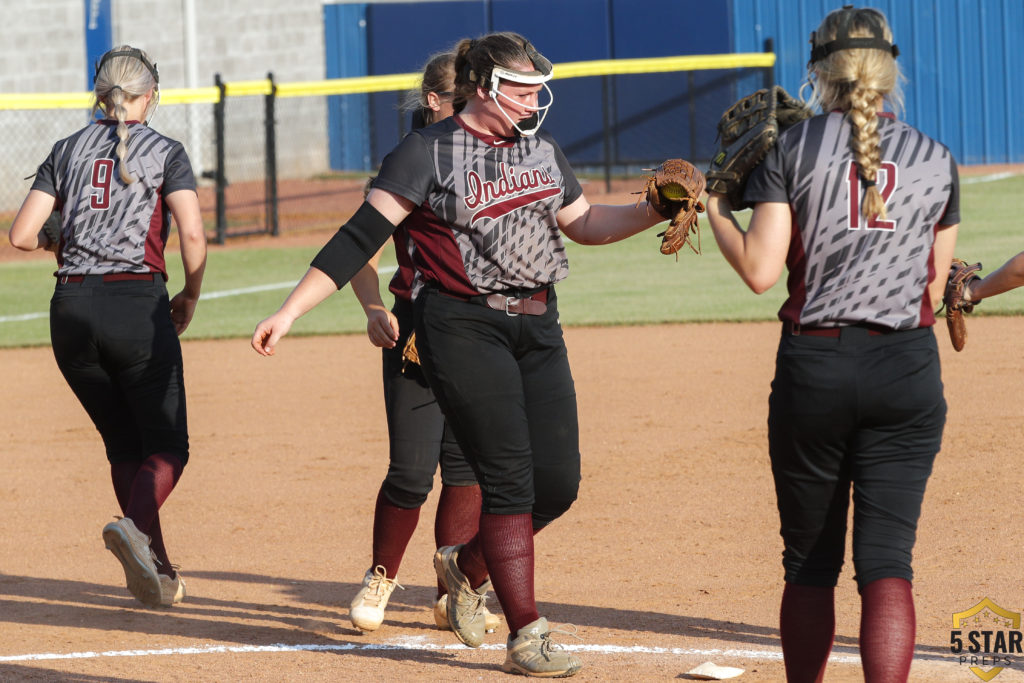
<point>626,283</point>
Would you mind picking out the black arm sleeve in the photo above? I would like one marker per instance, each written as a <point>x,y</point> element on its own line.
<point>353,245</point>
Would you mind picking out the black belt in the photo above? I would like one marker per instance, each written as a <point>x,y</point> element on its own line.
<point>513,303</point>
<point>798,330</point>
<point>107,277</point>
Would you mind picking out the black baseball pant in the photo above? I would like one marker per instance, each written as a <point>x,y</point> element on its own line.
<point>504,385</point>
<point>420,439</point>
<point>117,348</point>
<point>860,411</point>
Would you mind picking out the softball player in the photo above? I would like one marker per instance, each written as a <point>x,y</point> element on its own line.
<point>116,184</point>
<point>486,196</point>
<point>419,437</point>
<point>863,210</point>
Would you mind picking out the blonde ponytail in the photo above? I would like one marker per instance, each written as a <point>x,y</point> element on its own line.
<point>124,74</point>
<point>866,143</point>
<point>853,68</point>
<point>120,113</point>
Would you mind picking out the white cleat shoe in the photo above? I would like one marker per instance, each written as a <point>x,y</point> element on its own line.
<point>367,609</point>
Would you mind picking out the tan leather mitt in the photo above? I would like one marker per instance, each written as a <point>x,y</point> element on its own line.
<point>956,301</point>
<point>674,191</point>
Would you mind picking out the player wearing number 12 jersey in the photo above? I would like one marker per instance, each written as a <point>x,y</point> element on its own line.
<point>863,210</point>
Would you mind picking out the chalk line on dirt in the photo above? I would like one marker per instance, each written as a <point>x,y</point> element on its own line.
<point>405,644</point>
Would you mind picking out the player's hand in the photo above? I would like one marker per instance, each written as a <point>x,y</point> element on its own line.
<point>382,327</point>
<point>183,307</point>
<point>270,331</point>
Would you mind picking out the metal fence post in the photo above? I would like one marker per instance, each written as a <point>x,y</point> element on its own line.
<point>606,111</point>
<point>769,71</point>
<point>218,128</point>
<point>270,125</point>
<point>691,85</point>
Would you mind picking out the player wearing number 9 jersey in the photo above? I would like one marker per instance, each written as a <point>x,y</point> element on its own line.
<point>863,210</point>
<point>116,184</point>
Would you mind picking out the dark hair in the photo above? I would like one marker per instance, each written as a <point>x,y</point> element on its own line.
<point>475,58</point>
<point>438,77</point>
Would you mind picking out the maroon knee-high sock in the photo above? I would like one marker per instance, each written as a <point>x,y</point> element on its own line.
<point>154,481</point>
<point>472,563</point>
<point>887,628</point>
<point>155,478</point>
<point>392,529</point>
<point>507,544</point>
<point>808,626</point>
<point>457,519</point>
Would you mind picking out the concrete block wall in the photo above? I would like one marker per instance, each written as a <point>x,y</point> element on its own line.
<point>44,51</point>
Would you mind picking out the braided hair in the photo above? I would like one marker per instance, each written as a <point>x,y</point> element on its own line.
<point>853,65</point>
<point>122,75</point>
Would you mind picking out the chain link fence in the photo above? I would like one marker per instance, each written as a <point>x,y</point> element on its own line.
<point>260,149</point>
<point>30,134</point>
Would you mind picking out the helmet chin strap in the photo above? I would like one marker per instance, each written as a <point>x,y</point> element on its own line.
<point>529,125</point>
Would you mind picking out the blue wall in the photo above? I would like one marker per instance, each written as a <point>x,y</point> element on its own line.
<point>962,58</point>
<point>964,86</point>
<point>566,30</point>
<point>346,57</point>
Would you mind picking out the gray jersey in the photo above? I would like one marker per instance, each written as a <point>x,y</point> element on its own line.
<point>845,268</point>
<point>485,207</point>
<point>107,225</point>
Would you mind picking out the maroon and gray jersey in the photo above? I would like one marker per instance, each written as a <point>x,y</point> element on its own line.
<point>108,226</point>
<point>845,268</point>
<point>402,281</point>
<point>485,207</point>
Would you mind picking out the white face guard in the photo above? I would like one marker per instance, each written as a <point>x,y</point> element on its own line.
<point>541,75</point>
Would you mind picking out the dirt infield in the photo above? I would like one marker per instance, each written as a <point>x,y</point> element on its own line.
<point>670,557</point>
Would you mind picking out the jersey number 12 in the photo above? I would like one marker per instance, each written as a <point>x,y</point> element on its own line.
<point>886,179</point>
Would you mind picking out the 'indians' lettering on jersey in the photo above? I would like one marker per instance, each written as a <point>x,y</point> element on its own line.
<point>107,225</point>
<point>485,207</point>
<point>511,190</point>
<point>844,267</point>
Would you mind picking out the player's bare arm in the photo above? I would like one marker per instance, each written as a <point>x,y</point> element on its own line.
<point>316,285</point>
<point>595,224</point>
<point>184,206</point>
<point>1008,276</point>
<point>27,230</point>
<point>759,254</point>
<point>942,251</point>
<point>381,324</point>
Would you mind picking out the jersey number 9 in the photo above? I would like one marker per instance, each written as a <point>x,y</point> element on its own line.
<point>102,170</point>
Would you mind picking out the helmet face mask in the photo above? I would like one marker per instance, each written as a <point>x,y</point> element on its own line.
<point>541,74</point>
